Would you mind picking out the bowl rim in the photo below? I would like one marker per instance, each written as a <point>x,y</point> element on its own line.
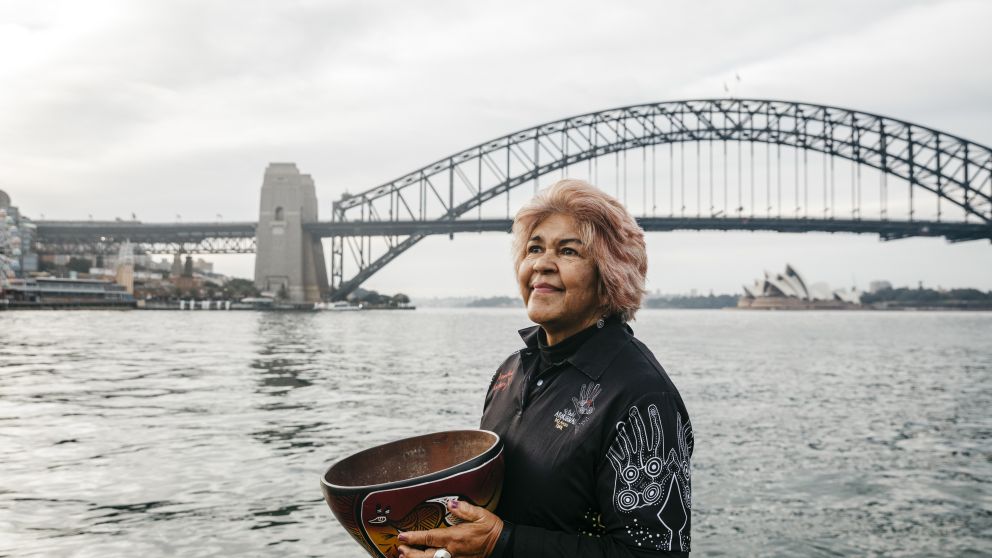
<point>491,452</point>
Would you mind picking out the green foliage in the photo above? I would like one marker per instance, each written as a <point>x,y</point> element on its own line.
<point>369,297</point>
<point>496,302</point>
<point>925,296</point>
<point>710,301</point>
<point>374,298</point>
<point>240,288</point>
<point>969,294</point>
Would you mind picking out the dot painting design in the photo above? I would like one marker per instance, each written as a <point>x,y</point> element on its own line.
<point>651,477</point>
<point>594,521</point>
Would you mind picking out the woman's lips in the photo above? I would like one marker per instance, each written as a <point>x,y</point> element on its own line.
<point>544,288</point>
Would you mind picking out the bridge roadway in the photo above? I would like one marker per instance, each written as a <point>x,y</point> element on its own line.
<point>93,237</point>
<point>238,237</point>
<point>953,231</point>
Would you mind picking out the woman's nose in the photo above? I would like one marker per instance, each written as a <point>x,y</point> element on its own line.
<point>545,262</point>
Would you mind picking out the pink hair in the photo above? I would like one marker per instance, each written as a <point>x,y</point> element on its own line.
<point>615,240</point>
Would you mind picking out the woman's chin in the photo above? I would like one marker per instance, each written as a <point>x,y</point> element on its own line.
<point>543,316</point>
<point>540,314</point>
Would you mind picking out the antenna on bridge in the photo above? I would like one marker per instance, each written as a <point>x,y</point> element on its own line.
<point>737,84</point>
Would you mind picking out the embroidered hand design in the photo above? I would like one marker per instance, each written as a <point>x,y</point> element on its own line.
<point>587,395</point>
<point>644,479</point>
<point>636,462</point>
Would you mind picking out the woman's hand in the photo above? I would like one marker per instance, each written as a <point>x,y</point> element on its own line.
<point>475,538</point>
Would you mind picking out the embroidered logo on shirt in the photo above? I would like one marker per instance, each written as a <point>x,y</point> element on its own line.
<point>584,407</point>
<point>502,381</point>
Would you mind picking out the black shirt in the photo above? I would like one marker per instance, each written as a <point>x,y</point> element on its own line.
<point>597,446</point>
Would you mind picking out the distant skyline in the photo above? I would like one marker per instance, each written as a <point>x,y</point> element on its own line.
<point>175,108</point>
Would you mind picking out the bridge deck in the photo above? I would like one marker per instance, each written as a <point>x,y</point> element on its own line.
<point>54,234</point>
<point>955,232</point>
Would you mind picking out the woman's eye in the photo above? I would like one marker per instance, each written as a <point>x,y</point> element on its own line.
<point>569,252</point>
<point>533,249</point>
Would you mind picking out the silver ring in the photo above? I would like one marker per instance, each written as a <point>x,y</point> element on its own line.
<point>442,553</point>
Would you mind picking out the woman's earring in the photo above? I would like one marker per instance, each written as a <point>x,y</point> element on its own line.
<point>600,323</point>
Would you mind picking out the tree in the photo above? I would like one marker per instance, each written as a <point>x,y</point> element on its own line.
<point>400,298</point>
<point>372,297</point>
<point>240,288</point>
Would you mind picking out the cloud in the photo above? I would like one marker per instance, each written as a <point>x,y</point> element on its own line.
<point>176,107</point>
<point>916,63</point>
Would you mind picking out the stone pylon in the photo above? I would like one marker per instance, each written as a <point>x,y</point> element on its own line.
<point>286,255</point>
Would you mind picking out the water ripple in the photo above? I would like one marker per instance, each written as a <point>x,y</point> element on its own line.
<point>203,434</point>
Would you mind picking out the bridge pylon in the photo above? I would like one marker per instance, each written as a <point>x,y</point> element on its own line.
<point>289,259</point>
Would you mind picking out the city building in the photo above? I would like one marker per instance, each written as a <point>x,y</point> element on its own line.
<point>788,290</point>
<point>16,236</point>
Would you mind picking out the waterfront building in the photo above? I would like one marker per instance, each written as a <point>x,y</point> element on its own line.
<point>789,290</point>
<point>62,292</point>
<point>16,237</point>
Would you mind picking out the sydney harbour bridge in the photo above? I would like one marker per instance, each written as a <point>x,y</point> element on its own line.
<point>719,164</point>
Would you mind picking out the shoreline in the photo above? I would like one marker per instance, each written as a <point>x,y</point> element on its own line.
<point>50,307</point>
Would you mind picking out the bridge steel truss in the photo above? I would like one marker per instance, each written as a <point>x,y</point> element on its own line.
<point>104,237</point>
<point>405,210</point>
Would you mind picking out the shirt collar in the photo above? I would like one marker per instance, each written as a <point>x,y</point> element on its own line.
<point>594,355</point>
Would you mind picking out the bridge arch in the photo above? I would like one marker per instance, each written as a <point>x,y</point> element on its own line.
<point>955,170</point>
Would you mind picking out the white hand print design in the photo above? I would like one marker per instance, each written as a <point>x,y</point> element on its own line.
<point>587,396</point>
<point>644,479</point>
<point>636,462</point>
<point>642,475</point>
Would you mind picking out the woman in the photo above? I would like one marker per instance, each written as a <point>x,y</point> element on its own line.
<point>597,440</point>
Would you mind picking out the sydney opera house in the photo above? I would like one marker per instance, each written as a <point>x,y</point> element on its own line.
<point>789,291</point>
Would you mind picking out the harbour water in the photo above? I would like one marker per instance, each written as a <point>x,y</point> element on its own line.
<point>204,434</point>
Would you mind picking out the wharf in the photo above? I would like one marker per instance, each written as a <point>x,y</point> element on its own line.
<point>225,306</point>
<point>68,305</point>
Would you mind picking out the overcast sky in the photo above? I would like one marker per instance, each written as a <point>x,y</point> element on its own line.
<point>176,107</point>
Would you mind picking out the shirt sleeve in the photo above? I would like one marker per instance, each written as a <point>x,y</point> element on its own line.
<point>501,378</point>
<point>643,488</point>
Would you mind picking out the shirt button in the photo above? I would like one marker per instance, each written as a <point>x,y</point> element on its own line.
<point>540,382</point>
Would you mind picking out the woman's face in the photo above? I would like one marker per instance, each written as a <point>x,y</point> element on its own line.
<point>558,278</point>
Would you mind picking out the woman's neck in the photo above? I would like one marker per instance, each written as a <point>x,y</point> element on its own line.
<point>555,334</point>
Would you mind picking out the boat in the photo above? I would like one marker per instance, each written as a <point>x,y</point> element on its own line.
<point>338,306</point>
<point>253,303</point>
<point>65,293</point>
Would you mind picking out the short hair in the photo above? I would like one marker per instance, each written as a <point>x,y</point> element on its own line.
<point>615,240</point>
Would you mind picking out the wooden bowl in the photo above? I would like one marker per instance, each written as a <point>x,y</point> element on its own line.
<point>405,485</point>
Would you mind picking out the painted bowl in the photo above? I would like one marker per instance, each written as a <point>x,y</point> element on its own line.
<point>405,485</point>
